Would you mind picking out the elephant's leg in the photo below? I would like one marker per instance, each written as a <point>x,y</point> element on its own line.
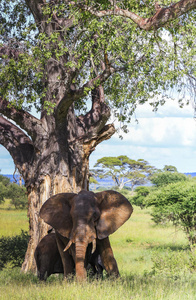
<point>67,260</point>
<point>107,257</point>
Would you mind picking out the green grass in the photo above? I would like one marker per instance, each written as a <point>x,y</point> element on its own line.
<point>12,220</point>
<point>153,262</point>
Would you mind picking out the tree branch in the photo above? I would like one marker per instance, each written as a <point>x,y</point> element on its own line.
<point>9,52</point>
<point>105,134</point>
<point>93,122</point>
<point>35,7</point>
<point>17,143</point>
<point>25,120</point>
<point>76,94</point>
<point>161,17</point>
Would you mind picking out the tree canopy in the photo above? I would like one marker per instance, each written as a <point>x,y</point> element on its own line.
<point>123,170</point>
<point>167,177</point>
<point>138,50</point>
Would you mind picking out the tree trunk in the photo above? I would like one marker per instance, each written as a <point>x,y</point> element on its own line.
<point>50,184</point>
<point>37,228</point>
<point>52,153</point>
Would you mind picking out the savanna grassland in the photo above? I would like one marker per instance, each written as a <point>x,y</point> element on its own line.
<point>154,262</point>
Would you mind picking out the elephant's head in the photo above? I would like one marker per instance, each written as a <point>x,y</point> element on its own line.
<point>84,217</point>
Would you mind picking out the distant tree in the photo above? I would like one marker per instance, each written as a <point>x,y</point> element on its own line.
<point>176,202</point>
<point>2,192</point>
<point>139,198</point>
<point>124,170</point>
<point>169,168</point>
<point>93,181</point>
<point>12,191</point>
<point>18,196</point>
<point>164,178</point>
<point>4,182</point>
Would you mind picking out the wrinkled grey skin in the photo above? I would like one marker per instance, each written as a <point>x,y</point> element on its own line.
<point>83,219</point>
<point>48,259</point>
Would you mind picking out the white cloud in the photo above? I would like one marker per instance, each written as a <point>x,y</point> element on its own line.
<point>165,137</point>
<point>162,132</point>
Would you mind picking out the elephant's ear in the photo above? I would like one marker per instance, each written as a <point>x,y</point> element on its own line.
<point>115,211</point>
<point>56,212</point>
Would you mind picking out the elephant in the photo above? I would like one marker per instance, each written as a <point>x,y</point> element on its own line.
<point>48,259</point>
<point>85,219</point>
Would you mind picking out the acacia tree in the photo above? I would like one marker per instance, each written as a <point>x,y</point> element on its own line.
<point>124,170</point>
<point>55,55</point>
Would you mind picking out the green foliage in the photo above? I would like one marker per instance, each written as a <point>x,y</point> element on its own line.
<point>163,178</point>
<point>93,180</point>
<point>141,192</point>
<point>123,170</point>
<point>17,195</point>
<point>169,168</point>
<point>13,249</point>
<point>4,183</point>
<point>14,192</point>
<point>148,64</point>
<point>176,202</point>
<point>4,180</point>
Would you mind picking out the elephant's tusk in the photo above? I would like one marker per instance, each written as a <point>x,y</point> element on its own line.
<point>68,245</point>
<point>94,246</point>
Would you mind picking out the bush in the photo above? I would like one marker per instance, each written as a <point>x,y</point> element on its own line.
<point>13,249</point>
<point>14,192</point>
<point>4,183</point>
<point>173,264</point>
<point>164,178</point>
<point>176,202</point>
<point>17,195</point>
<point>141,193</point>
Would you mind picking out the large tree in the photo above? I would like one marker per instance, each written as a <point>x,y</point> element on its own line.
<point>57,56</point>
<point>124,170</point>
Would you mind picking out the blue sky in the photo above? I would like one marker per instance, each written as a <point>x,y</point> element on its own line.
<point>167,137</point>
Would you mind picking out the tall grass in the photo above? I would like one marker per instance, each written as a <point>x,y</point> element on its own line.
<point>154,263</point>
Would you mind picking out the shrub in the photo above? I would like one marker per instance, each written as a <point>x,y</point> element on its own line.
<point>17,195</point>
<point>173,264</point>
<point>4,183</point>
<point>141,193</point>
<point>14,192</point>
<point>176,202</point>
<point>13,249</point>
<point>164,178</point>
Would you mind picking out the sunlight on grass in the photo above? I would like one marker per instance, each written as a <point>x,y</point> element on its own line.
<point>135,246</point>
<point>135,242</point>
<point>21,286</point>
<point>12,220</point>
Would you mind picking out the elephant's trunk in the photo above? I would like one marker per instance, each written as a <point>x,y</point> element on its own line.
<point>81,247</point>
